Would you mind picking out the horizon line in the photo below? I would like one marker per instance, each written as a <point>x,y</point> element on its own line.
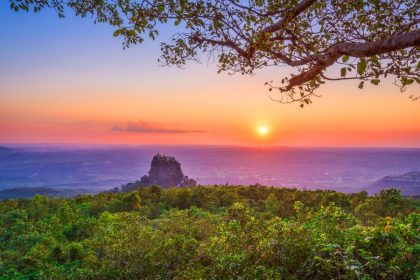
<point>93,145</point>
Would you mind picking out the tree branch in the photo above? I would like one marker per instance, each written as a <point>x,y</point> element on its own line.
<point>359,50</point>
<point>289,15</point>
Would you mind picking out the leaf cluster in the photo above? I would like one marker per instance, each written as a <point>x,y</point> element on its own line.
<point>224,232</point>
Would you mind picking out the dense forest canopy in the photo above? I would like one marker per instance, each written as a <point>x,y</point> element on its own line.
<point>220,232</point>
<point>368,39</point>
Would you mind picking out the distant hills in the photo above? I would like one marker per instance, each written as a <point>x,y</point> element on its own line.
<point>30,192</point>
<point>407,182</point>
<point>7,150</point>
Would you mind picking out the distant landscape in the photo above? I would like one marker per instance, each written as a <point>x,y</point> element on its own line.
<point>72,170</point>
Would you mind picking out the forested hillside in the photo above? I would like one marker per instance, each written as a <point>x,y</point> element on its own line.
<point>220,232</point>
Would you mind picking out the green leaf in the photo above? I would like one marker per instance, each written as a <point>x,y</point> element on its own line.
<point>117,32</point>
<point>374,59</point>
<point>361,66</point>
<point>406,81</point>
<point>131,32</point>
<point>345,58</point>
<point>375,82</point>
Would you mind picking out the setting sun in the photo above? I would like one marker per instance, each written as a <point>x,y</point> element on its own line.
<point>262,130</point>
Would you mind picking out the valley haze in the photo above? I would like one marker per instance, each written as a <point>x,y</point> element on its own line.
<point>92,169</point>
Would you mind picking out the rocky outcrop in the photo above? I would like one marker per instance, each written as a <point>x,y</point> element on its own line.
<point>165,171</point>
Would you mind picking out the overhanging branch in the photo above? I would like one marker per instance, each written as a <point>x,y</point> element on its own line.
<point>359,50</point>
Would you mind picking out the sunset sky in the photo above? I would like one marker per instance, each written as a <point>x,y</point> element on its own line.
<point>70,81</point>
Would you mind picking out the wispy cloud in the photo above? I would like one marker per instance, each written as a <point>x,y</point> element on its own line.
<point>145,127</point>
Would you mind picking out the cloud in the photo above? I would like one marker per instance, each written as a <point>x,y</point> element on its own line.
<point>145,127</point>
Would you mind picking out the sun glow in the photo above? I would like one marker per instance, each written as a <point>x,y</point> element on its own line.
<point>262,130</point>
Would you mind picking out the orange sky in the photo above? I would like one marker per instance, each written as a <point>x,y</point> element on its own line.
<point>216,109</point>
<point>79,86</point>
